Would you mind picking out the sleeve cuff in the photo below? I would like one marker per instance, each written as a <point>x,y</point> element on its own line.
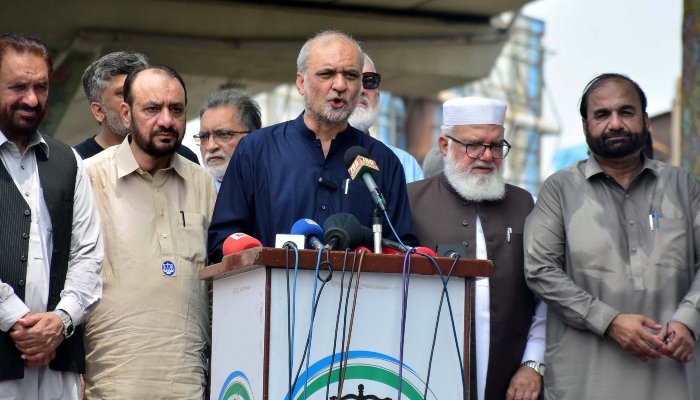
<point>600,317</point>
<point>71,306</point>
<point>11,311</point>
<point>690,318</point>
<point>534,351</point>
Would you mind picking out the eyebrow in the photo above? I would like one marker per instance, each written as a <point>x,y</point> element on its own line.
<point>152,103</point>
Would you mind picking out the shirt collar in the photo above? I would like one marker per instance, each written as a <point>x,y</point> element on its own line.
<point>34,140</point>
<point>307,133</point>
<point>592,167</point>
<point>126,162</point>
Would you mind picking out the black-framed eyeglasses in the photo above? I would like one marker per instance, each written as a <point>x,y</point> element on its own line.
<point>477,150</point>
<point>220,136</point>
<point>371,80</point>
<point>668,337</point>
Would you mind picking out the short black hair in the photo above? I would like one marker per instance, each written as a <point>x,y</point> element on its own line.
<point>583,109</point>
<point>129,82</point>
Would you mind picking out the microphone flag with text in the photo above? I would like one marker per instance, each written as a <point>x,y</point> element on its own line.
<point>310,230</point>
<point>342,231</point>
<point>364,169</point>
<point>238,242</point>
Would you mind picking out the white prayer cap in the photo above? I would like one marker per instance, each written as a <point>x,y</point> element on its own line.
<point>474,111</point>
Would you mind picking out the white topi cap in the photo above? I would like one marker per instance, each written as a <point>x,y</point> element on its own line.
<point>474,111</point>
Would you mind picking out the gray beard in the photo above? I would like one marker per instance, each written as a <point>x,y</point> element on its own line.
<point>363,118</point>
<point>115,123</point>
<point>473,187</point>
<point>217,171</point>
<point>328,114</point>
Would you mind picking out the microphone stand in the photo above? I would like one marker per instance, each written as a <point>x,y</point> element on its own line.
<point>377,230</point>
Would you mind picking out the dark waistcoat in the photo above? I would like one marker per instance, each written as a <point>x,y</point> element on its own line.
<point>57,175</point>
<point>441,216</point>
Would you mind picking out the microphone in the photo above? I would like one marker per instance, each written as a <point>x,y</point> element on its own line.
<point>239,242</point>
<point>377,229</point>
<point>311,231</point>
<point>363,168</point>
<point>396,247</point>
<point>342,231</point>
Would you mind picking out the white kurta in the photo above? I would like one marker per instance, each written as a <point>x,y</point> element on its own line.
<point>83,286</point>
<point>534,350</point>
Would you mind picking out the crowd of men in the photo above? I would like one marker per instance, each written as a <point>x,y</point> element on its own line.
<point>594,294</point>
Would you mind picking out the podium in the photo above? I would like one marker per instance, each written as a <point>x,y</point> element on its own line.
<point>250,341</point>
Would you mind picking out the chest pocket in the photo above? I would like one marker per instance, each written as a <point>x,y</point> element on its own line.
<point>670,244</point>
<point>192,242</point>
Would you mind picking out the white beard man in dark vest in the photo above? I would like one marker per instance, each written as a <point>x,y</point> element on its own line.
<point>470,203</point>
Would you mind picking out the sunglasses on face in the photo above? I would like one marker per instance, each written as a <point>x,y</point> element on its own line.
<point>371,80</point>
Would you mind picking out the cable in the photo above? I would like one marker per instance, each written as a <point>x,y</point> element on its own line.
<point>405,275</point>
<point>437,322</point>
<point>388,221</point>
<point>341,379</point>
<point>343,355</point>
<point>337,322</point>
<point>452,319</point>
<point>308,337</point>
<point>313,313</point>
<point>291,316</point>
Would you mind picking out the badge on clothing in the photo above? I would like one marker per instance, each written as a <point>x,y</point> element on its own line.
<point>168,268</point>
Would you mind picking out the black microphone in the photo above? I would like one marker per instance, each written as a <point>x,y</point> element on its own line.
<point>363,169</point>
<point>342,231</point>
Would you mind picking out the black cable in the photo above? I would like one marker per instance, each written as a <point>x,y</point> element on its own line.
<point>337,323</point>
<point>308,336</point>
<point>437,323</point>
<point>345,318</point>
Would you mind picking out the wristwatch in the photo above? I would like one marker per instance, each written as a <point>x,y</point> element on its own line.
<point>68,328</point>
<point>539,367</point>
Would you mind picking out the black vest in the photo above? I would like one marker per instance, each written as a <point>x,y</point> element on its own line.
<point>57,175</point>
<point>441,216</point>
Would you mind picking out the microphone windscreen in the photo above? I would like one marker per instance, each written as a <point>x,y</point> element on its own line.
<point>367,237</point>
<point>239,242</point>
<point>425,250</point>
<point>307,227</point>
<point>352,153</point>
<point>389,250</point>
<point>363,248</point>
<point>345,228</point>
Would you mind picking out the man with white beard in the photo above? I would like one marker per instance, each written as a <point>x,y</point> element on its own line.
<point>470,203</point>
<point>367,112</point>
<point>225,118</point>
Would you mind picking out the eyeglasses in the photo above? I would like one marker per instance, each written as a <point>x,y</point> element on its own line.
<point>371,80</point>
<point>477,150</point>
<point>668,338</point>
<point>222,136</point>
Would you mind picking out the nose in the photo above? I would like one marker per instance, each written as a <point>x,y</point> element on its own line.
<point>165,118</point>
<point>339,83</point>
<point>485,157</point>
<point>30,97</point>
<point>615,121</point>
<point>211,145</point>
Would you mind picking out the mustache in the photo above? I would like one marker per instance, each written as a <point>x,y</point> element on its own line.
<point>171,131</point>
<point>617,133</point>
<point>23,107</point>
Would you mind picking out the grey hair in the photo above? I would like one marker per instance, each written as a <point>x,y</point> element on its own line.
<point>248,109</point>
<point>305,52</point>
<point>369,60</point>
<point>447,130</point>
<point>97,76</point>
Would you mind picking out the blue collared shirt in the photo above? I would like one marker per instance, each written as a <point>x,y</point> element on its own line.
<point>273,180</point>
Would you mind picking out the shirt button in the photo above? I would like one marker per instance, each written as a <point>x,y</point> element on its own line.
<point>27,213</point>
<point>26,194</point>
<point>634,248</point>
<point>21,282</point>
<point>325,167</point>
<point>465,243</point>
<point>627,196</point>
<point>464,203</point>
<point>161,213</point>
<point>323,207</point>
<point>21,166</point>
<point>631,222</point>
<point>465,222</point>
<point>25,236</point>
<point>165,235</point>
<point>23,258</point>
<point>157,190</point>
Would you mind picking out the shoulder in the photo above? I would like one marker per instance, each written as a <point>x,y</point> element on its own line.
<point>188,154</point>
<point>518,193</point>
<point>423,186</point>
<point>88,148</point>
<point>101,159</point>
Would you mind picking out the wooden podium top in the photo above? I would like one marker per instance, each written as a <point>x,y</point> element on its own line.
<point>260,257</point>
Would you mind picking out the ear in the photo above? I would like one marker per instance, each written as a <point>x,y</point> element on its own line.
<point>97,111</point>
<point>125,112</point>
<point>583,126</point>
<point>442,144</point>
<point>647,123</point>
<point>300,83</point>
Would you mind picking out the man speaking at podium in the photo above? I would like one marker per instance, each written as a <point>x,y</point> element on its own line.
<point>295,169</point>
<point>486,215</point>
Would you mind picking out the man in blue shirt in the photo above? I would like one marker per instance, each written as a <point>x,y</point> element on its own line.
<point>273,178</point>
